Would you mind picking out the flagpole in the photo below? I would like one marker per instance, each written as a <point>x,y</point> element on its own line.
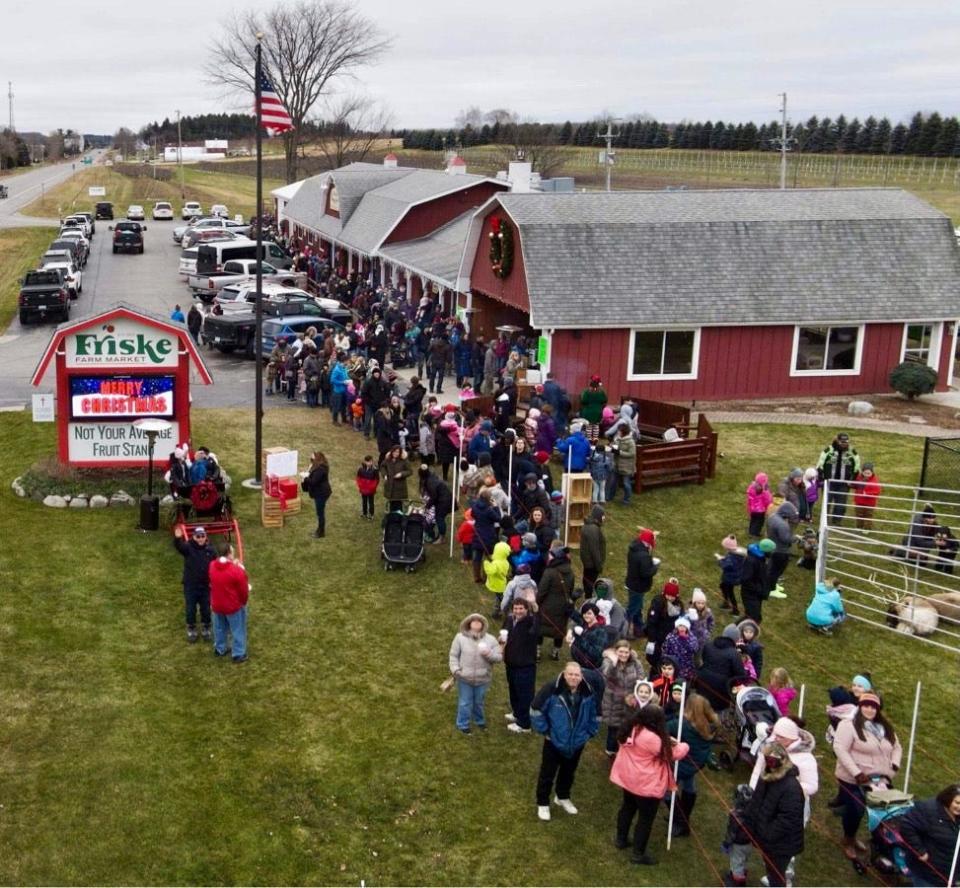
<point>258,439</point>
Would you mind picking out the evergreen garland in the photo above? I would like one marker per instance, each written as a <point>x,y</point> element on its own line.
<point>501,247</point>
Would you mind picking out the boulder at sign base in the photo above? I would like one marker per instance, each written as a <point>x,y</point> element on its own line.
<point>859,408</point>
<point>78,502</point>
<point>121,498</point>
<point>98,502</point>
<point>55,502</point>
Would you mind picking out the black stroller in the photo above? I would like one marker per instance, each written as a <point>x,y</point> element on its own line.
<point>403,540</point>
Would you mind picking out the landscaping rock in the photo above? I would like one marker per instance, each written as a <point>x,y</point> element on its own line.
<point>121,498</point>
<point>98,502</point>
<point>78,502</point>
<point>859,408</point>
<point>18,488</point>
<point>55,502</point>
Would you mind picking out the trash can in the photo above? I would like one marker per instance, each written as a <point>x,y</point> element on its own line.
<point>149,512</point>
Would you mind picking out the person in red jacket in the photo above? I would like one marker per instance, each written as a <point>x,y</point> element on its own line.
<point>866,492</point>
<point>368,479</point>
<point>229,590</point>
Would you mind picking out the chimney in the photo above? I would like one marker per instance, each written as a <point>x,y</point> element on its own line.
<point>390,161</point>
<point>457,166</point>
<point>519,176</point>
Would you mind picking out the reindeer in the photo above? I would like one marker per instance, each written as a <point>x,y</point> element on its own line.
<point>908,613</point>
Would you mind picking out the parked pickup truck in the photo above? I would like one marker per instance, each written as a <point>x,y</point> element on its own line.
<point>236,332</point>
<point>238,271</point>
<point>43,295</point>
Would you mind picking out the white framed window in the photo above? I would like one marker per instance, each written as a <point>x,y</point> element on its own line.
<point>921,344</point>
<point>663,354</point>
<point>827,351</point>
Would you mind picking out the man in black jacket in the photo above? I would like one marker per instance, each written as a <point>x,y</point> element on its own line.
<point>520,638</point>
<point>375,393</point>
<point>197,554</point>
<point>438,355</point>
<point>641,568</point>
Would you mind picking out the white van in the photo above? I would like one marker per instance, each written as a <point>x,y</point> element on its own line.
<point>188,261</point>
<point>211,256</point>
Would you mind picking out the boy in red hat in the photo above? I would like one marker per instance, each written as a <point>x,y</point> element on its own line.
<point>664,611</point>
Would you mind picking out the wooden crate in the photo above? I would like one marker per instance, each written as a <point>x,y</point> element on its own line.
<point>577,493</point>
<point>271,514</point>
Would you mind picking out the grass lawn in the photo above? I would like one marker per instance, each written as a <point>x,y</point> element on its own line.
<point>21,249</point>
<point>236,191</point>
<point>331,756</point>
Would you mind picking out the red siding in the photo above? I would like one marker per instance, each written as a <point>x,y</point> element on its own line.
<point>426,218</point>
<point>513,289</point>
<point>735,362</point>
<point>490,314</point>
<point>946,358</point>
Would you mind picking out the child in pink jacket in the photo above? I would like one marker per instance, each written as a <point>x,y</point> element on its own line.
<point>759,498</point>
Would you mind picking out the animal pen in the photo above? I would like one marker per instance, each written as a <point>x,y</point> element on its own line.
<point>895,561</point>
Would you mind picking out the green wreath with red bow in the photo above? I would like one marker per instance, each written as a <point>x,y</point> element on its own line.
<point>501,247</point>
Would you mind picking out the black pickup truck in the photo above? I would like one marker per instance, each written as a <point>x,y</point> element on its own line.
<point>128,237</point>
<point>236,331</point>
<point>43,295</point>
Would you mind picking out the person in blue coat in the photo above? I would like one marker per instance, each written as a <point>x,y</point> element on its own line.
<point>826,609</point>
<point>339,378</point>
<point>575,449</point>
<point>565,712</point>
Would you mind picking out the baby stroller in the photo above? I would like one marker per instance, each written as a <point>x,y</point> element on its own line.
<point>403,540</point>
<point>754,706</point>
<point>885,808</point>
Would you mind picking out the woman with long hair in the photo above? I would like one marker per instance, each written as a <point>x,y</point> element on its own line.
<point>317,484</point>
<point>700,726</point>
<point>867,749</point>
<point>643,769</point>
<point>930,831</point>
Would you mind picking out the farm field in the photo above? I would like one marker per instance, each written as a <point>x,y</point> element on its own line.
<point>331,756</point>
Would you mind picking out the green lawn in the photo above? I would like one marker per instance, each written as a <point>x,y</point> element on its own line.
<point>331,756</point>
<point>21,249</point>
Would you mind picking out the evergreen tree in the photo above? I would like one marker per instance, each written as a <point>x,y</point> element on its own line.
<point>848,142</point>
<point>898,139</point>
<point>947,140</point>
<point>929,135</point>
<point>835,134</point>
<point>881,138</point>
<point>706,135</point>
<point>864,142</point>
<point>799,136</point>
<point>913,134</point>
<point>485,134</point>
<point>661,137</point>
<point>820,140</point>
<point>718,135</point>
<point>747,140</point>
<point>678,139</point>
<point>566,133</point>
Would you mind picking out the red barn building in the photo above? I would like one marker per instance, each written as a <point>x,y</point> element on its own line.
<point>720,294</point>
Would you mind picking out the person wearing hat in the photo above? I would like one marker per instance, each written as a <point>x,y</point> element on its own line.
<point>641,569</point>
<point>522,585</point>
<point>593,548</point>
<point>799,745</point>
<point>592,401</point>
<point>682,645</point>
<point>920,540</point>
<point>197,553</point>
<point>781,528</point>
<point>375,393</point>
<point>721,662</point>
<point>839,464</point>
<point>755,578</point>
<point>792,489</point>
<point>866,747</point>
<point>473,653</point>
<point>530,495</point>
<point>774,816</point>
<point>866,494</point>
<point>731,572</point>
<point>555,593</point>
<point>663,613</point>
<point>482,442</point>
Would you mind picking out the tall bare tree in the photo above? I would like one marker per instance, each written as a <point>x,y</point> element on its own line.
<point>307,44</point>
<point>536,143</point>
<point>351,126</point>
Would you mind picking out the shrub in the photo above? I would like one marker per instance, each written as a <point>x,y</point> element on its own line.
<point>912,379</point>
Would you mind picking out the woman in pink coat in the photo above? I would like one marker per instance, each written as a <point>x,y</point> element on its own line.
<point>643,768</point>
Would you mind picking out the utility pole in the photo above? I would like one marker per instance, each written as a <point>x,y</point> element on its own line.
<point>784,145</point>
<point>10,104</point>
<point>180,154</point>
<point>609,156</point>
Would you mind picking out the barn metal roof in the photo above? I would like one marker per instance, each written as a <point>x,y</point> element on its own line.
<point>436,256</point>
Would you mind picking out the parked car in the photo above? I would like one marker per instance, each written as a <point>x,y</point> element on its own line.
<point>188,261</point>
<point>135,213</point>
<point>70,246</point>
<point>237,331</point>
<point>210,222</point>
<point>207,236</point>
<point>289,327</point>
<point>76,234</point>
<point>72,276</point>
<point>43,295</point>
<point>162,210</point>
<point>211,257</point>
<point>84,221</point>
<point>91,219</point>
<point>128,237</point>
<point>240,296</point>
<point>103,210</point>
<point>191,209</point>
<point>219,210</point>
<point>242,271</point>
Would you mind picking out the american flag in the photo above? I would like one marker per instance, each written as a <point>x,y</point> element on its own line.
<point>273,116</point>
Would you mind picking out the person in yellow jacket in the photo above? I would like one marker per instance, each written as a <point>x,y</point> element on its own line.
<point>497,571</point>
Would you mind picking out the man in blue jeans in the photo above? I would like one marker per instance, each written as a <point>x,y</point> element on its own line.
<point>339,379</point>
<point>229,591</point>
<point>197,554</point>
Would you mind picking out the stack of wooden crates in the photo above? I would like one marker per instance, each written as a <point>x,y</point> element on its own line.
<point>577,494</point>
<point>271,512</point>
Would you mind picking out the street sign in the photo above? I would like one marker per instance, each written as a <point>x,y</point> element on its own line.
<point>43,408</point>
<point>97,191</point>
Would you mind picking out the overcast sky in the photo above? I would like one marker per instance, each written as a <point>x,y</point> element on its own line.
<point>95,66</point>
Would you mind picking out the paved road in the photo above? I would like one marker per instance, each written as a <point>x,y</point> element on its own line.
<point>25,188</point>
<point>149,282</point>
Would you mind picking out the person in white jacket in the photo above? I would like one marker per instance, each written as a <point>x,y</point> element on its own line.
<point>472,655</point>
<point>799,745</point>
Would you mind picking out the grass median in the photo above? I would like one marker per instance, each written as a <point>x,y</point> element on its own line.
<point>331,756</point>
<point>21,249</point>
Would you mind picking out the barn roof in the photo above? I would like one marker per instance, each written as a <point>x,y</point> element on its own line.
<point>733,257</point>
<point>437,255</point>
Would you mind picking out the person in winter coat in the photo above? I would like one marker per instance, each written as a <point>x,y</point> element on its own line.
<point>317,485</point>
<point>394,473</point>
<point>521,586</point>
<point>368,480</point>
<point>574,450</point>
<point>554,597</point>
<point>593,549</point>
<point>627,419</point>
<point>531,426</point>
<point>792,489</point>
<point>721,662</point>
<point>643,769</point>
<point>731,572</point>
<point>682,645</point>
<point>624,449</point>
<point>621,672</point>
<point>700,617</point>
<point>588,639</point>
<point>521,631</point>
<point>781,529</point>
<point>546,431</point>
<point>197,554</point>
<point>839,464</point>
<point>611,611</point>
<point>496,569</point>
<point>413,401</point>
<point>592,401</point>
<point>930,830</point>
<point>700,726</point>
<point>565,712</point>
<point>661,616</point>
<point>229,593</point>
<point>641,569</point>
<point>556,396</point>
<point>775,814</point>
<point>866,746</point>
<point>866,493</point>
<point>529,496</point>
<point>600,466</point>
<point>386,429</point>
<point>482,442</point>
<point>339,379</point>
<point>472,655</point>
<point>826,609</point>
<point>799,745</point>
<point>375,392</point>
<point>438,496</point>
<point>755,578</point>
<point>759,498</point>
<point>750,643</point>
<point>485,517</point>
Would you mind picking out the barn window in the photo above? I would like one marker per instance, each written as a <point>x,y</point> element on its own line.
<point>917,343</point>
<point>827,351</point>
<point>656,354</point>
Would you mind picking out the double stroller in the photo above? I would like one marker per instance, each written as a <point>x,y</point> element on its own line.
<point>403,542</point>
